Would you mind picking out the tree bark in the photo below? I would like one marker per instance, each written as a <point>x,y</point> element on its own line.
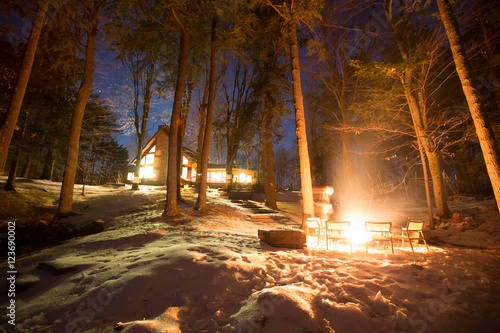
<point>430,151</point>
<point>171,208</point>
<point>138,158</point>
<point>48,165</point>
<point>483,127</point>
<point>269,162</point>
<point>300,128</point>
<point>201,202</point>
<point>10,185</point>
<point>419,122</point>
<point>16,101</point>
<point>201,134</point>
<point>186,105</point>
<point>26,168</point>
<point>68,183</point>
<point>348,184</point>
<point>426,183</point>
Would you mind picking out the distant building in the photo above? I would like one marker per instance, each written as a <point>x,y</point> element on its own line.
<point>154,164</point>
<point>216,175</point>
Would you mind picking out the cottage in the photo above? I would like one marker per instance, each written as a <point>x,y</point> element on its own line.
<point>154,161</point>
<point>154,164</point>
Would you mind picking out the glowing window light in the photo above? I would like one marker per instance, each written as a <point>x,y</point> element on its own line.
<point>130,176</point>
<point>219,176</point>
<point>150,159</point>
<point>146,172</point>
<point>249,178</point>
<point>143,160</point>
<point>184,173</point>
<point>242,178</point>
<point>153,149</point>
<point>184,160</point>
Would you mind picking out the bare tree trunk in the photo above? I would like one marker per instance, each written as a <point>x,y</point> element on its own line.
<point>419,123</point>
<point>48,165</point>
<point>300,130</point>
<point>16,101</point>
<point>201,202</point>
<point>269,164</point>
<point>171,208</point>
<point>141,123</point>
<point>138,158</point>
<point>26,168</point>
<point>483,127</point>
<point>201,132</point>
<point>68,183</point>
<point>182,131</point>
<point>426,183</point>
<point>10,185</point>
<point>348,184</point>
<point>263,151</point>
<point>430,152</point>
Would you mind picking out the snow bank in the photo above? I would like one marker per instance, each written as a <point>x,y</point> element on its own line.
<point>210,273</point>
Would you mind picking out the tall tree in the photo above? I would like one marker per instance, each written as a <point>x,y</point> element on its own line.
<point>337,43</point>
<point>66,198</point>
<point>240,103</point>
<point>10,120</point>
<point>171,208</point>
<point>201,201</point>
<point>416,102</point>
<point>483,127</point>
<point>300,126</point>
<point>136,37</point>
<point>295,12</point>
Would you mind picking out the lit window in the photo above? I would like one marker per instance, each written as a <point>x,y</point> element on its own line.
<point>143,161</point>
<point>146,172</point>
<point>224,176</point>
<point>184,174</point>
<point>219,177</point>
<point>249,178</point>
<point>242,178</point>
<point>235,178</point>
<point>130,176</point>
<point>213,177</point>
<point>184,160</point>
<point>150,158</point>
<point>152,150</point>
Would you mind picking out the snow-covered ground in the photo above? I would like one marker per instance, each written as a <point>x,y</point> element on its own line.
<point>210,273</point>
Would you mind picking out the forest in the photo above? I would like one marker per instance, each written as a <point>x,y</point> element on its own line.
<point>385,96</point>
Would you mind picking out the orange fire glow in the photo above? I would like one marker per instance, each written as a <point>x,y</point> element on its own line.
<point>357,233</point>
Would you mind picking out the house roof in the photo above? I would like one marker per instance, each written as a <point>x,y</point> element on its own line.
<point>190,154</point>
<point>165,129</point>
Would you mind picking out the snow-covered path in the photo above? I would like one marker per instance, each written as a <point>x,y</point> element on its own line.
<point>210,273</point>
